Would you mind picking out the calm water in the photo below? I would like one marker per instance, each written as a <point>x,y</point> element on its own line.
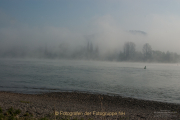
<point>159,82</point>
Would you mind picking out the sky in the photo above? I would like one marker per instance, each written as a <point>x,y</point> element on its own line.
<point>107,23</point>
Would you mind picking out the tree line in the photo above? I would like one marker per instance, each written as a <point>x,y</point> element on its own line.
<point>90,51</point>
<point>147,55</point>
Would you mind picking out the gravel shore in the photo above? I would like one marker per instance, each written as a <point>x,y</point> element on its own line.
<point>89,105</point>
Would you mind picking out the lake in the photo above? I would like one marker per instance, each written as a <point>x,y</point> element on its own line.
<point>159,82</point>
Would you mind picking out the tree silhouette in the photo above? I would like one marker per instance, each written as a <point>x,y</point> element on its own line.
<point>129,50</point>
<point>147,51</point>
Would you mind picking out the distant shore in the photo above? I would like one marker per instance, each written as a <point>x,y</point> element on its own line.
<point>96,105</point>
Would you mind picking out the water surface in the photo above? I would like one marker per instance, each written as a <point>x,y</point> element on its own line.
<point>159,82</point>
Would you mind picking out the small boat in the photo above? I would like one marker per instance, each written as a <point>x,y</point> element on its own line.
<point>145,67</point>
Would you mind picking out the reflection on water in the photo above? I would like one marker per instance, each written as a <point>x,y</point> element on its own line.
<point>158,82</point>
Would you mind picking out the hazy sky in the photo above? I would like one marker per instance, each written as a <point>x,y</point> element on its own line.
<point>108,23</point>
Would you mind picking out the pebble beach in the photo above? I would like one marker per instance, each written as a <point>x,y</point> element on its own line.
<point>85,105</point>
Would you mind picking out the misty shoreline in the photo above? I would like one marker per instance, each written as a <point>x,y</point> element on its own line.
<point>90,51</point>
<point>65,59</point>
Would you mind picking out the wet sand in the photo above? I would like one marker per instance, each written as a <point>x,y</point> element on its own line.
<point>88,106</point>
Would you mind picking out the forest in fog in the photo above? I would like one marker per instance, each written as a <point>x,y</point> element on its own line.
<point>108,30</point>
<point>92,52</point>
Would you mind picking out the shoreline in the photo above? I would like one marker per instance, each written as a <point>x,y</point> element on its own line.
<point>87,92</point>
<point>41,105</point>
